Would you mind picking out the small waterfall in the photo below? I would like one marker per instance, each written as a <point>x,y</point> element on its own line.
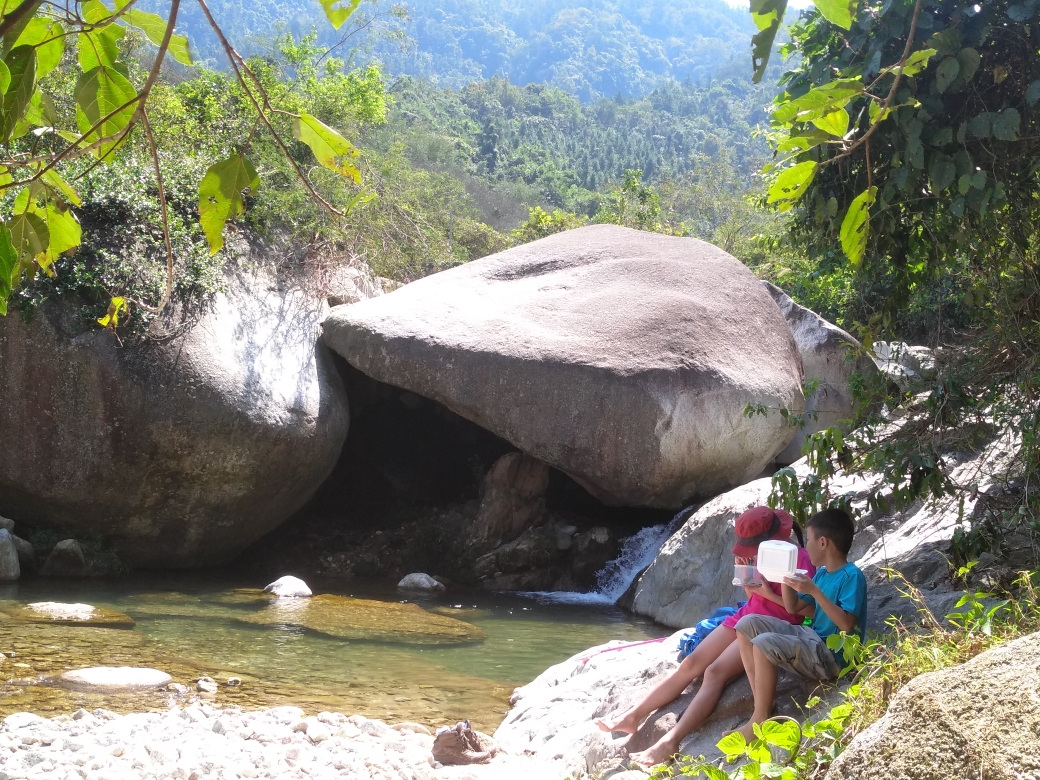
<point>637,552</point>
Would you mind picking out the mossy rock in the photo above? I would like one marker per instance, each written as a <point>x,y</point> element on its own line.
<point>53,612</point>
<point>349,618</point>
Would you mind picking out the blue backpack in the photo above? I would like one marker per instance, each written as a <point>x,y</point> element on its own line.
<point>691,639</point>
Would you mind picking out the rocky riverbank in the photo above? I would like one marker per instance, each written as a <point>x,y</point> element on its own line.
<point>200,742</point>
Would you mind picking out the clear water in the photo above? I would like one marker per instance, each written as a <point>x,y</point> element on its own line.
<point>188,626</point>
<point>613,580</point>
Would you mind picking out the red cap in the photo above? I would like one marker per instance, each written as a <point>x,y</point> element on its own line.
<point>758,525</point>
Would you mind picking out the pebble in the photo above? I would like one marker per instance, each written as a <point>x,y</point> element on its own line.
<point>203,742</point>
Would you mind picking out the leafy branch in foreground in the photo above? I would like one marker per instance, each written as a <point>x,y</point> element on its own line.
<point>43,144</point>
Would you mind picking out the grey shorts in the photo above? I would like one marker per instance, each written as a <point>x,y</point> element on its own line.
<point>797,649</point>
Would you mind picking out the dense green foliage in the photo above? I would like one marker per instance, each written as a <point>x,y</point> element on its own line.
<point>590,48</point>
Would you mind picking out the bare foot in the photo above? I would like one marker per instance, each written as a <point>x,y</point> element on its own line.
<point>748,730</point>
<point>626,724</point>
<point>659,753</point>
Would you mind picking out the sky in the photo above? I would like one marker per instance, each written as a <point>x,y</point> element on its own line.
<point>799,4</point>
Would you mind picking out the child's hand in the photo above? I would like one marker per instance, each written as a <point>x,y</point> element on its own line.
<point>755,587</point>
<point>801,584</point>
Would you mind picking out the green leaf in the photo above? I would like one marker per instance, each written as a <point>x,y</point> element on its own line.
<point>21,64</point>
<point>915,63</point>
<point>942,173</point>
<point>818,101</point>
<point>5,77</point>
<point>978,179</point>
<point>58,184</point>
<point>338,11</point>
<point>10,268</point>
<point>12,35</point>
<point>47,36</point>
<point>1033,92</point>
<point>732,745</point>
<point>62,227</point>
<point>758,750</point>
<point>876,112</point>
<point>791,184</point>
<point>964,184</point>
<point>839,12</point>
<point>855,227</point>
<point>102,92</point>
<point>969,60</point>
<point>713,772</point>
<point>221,196</point>
<point>154,27</point>
<point>28,235</point>
<point>946,73</point>
<point>329,147</point>
<point>99,47</point>
<point>835,123</point>
<point>1006,125</point>
<point>981,126</point>
<point>767,16</point>
<point>782,734</point>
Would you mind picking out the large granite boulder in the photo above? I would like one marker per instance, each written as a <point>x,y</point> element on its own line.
<point>180,451</point>
<point>829,355</point>
<point>625,359</point>
<point>979,719</point>
<point>552,717</point>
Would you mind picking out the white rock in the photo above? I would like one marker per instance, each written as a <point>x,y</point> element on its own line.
<point>420,581</point>
<point>62,611</point>
<point>20,720</point>
<point>288,587</point>
<point>108,678</point>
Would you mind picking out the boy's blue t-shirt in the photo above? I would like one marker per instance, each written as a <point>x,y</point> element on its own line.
<point>846,587</point>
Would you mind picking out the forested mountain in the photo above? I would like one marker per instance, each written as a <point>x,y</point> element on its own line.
<point>544,146</point>
<point>590,48</point>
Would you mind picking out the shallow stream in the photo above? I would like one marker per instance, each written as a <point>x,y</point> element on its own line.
<point>191,625</point>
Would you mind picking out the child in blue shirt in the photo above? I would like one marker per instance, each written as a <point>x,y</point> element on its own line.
<point>837,599</point>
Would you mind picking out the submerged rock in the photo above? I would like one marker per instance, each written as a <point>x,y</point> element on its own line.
<point>829,355</point>
<point>288,587</point>
<point>626,359</point>
<point>115,678</point>
<point>70,614</point>
<point>421,582</point>
<point>181,451</point>
<point>65,560</point>
<point>349,618</point>
<point>979,719</point>
<point>10,568</point>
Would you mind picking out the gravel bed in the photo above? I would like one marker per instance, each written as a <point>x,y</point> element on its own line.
<point>199,742</point>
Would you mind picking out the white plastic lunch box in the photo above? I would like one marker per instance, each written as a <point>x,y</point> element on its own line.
<point>777,560</point>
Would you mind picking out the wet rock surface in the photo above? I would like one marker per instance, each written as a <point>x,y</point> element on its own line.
<point>67,614</point>
<point>115,678</point>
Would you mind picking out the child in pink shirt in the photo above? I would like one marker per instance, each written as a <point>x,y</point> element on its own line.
<point>717,657</point>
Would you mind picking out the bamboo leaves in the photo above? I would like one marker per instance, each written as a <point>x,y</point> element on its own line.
<point>222,196</point>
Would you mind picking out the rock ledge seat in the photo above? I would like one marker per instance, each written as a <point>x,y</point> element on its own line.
<point>623,358</point>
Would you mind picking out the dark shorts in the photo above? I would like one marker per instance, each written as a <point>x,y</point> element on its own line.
<point>797,649</point>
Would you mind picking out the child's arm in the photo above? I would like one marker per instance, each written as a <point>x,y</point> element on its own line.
<point>799,582</point>
<point>763,590</point>
<point>793,604</point>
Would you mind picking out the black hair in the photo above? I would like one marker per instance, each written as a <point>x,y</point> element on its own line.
<point>836,525</point>
<point>798,533</point>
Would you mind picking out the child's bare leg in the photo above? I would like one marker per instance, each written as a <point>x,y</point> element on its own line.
<point>747,657</point>
<point>764,689</point>
<point>716,678</point>
<point>692,667</point>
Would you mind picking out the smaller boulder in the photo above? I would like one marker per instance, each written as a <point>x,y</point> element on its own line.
<point>206,685</point>
<point>70,614</point>
<point>10,569</point>
<point>458,745</point>
<point>351,284</point>
<point>512,499</point>
<point>904,364</point>
<point>115,678</point>
<point>65,560</point>
<point>26,554</point>
<point>288,588</point>
<point>7,524</point>
<point>420,582</point>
